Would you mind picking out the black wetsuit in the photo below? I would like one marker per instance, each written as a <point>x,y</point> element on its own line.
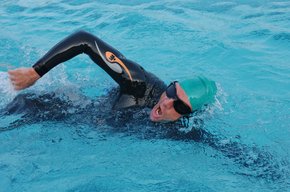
<point>137,86</point>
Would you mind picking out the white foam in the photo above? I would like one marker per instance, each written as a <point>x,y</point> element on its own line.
<point>7,92</point>
<point>220,98</point>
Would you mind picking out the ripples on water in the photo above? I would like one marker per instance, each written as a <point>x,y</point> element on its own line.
<point>70,143</point>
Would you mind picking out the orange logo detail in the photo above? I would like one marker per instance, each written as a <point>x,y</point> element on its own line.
<point>113,59</point>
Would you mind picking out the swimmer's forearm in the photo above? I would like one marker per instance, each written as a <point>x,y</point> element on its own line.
<point>75,44</point>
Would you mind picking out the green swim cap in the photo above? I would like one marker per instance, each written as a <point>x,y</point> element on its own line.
<point>200,91</point>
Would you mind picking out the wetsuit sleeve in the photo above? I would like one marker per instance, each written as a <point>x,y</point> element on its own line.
<point>128,74</point>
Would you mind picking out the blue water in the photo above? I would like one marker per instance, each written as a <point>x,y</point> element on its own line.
<point>243,45</point>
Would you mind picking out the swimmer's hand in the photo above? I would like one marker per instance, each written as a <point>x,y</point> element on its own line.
<point>22,78</point>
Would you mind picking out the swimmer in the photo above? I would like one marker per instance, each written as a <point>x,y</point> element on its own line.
<point>138,87</point>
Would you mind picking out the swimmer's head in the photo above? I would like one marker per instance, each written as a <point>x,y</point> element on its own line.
<point>182,98</point>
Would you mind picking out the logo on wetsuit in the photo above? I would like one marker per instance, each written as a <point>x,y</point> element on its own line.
<point>113,62</point>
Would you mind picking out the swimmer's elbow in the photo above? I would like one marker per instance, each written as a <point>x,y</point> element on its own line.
<point>84,36</point>
<point>82,33</point>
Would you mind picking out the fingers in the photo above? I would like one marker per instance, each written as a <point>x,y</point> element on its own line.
<point>14,84</point>
<point>17,85</point>
<point>12,78</point>
<point>17,71</point>
<point>15,79</point>
<point>10,72</point>
<point>13,72</point>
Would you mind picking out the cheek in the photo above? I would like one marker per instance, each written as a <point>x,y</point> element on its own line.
<point>172,115</point>
<point>176,117</point>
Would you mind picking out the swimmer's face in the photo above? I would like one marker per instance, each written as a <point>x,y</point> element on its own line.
<point>164,109</point>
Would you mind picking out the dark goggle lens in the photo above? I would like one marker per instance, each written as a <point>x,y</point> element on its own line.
<point>171,91</point>
<point>179,106</point>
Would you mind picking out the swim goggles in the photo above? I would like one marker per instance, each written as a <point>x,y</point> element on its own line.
<point>179,105</point>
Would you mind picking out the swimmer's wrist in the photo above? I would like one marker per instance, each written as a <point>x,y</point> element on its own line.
<point>33,74</point>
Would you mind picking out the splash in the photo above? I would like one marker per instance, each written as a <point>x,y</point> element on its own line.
<point>7,92</point>
<point>196,119</point>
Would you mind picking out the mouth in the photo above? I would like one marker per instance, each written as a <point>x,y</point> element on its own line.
<point>156,113</point>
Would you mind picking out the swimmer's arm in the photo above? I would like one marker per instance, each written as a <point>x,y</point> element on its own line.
<point>122,70</point>
<point>99,51</point>
<point>22,78</point>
